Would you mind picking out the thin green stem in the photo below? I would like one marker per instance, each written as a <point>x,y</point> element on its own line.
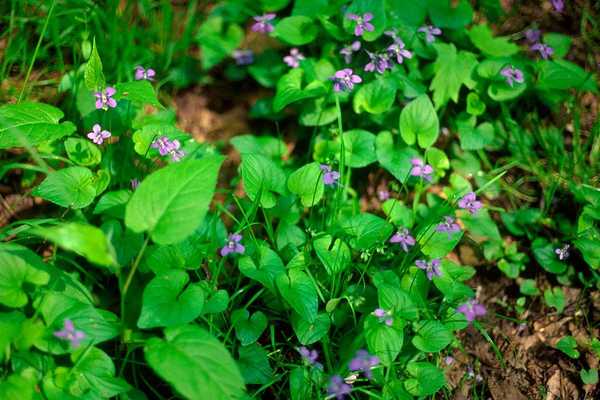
<point>134,268</point>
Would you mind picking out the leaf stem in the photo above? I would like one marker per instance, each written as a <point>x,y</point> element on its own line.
<point>134,267</point>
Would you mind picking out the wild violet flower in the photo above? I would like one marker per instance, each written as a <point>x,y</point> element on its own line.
<point>383,194</point>
<point>471,310</point>
<point>430,32</point>
<point>559,5</point>
<point>420,169</point>
<point>233,245</point>
<point>141,73</point>
<point>310,356</point>
<point>469,202</point>
<point>403,237</point>
<point>165,146</point>
<point>448,360</point>
<point>397,50</point>
<point>431,269</point>
<point>562,252</point>
<point>379,62</point>
<point>104,98</point>
<point>349,50</point>
<point>363,362</point>
<point>70,334</point>
<point>98,135</point>
<point>338,388</point>
<point>544,50</point>
<point>134,183</point>
<point>344,79</point>
<point>330,177</point>
<point>533,35</point>
<point>294,58</point>
<point>383,316</point>
<point>362,23</point>
<point>449,226</point>
<point>512,75</point>
<point>263,23</point>
<point>243,57</point>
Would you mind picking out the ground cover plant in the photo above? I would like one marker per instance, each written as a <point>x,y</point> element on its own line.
<point>299,199</point>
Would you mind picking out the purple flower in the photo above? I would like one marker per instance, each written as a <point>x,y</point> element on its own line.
<point>559,5</point>
<point>330,177</point>
<point>562,252</point>
<point>349,50</point>
<point>431,269</point>
<point>397,50</point>
<point>449,226</point>
<point>243,57</point>
<point>104,98</point>
<point>166,146</point>
<point>420,169</point>
<point>294,58</point>
<point>379,62</point>
<point>469,202</point>
<point>310,356</point>
<point>383,194</point>
<point>403,237</point>
<point>430,32</point>
<point>363,362</point>
<point>233,245</point>
<point>134,183</point>
<point>448,360</point>
<point>512,74</point>
<point>533,35</point>
<point>544,50</point>
<point>141,73</point>
<point>344,79</point>
<point>70,334</point>
<point>383,316</point>
<point>471,310</point>
<point>362,23</point>
<point>98,135</point>
<point>338,388</point>
<point>263,24</point>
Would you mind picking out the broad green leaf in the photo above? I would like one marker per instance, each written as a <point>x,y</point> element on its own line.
<point>218,40</point>
<point>501,91</point>
<point>83,152</point>
<point>419,122</point>
<point>299,291</point>
<point>391,297</point>
<point>450,283</point>
<point>361,7</point>
<point>196,364</point>
<point>412,13</point>
<point>310,332</point>
<point>113,203</point>
<point>262,179</point>
<point>543,252</point>
<point>85,240</point>
<point>297,30</point>
<point>432,337</point>
<point>268,146</point>
<point>307,183</point>
<point>450,14</point>
<point>555,298</point>
<point>254,365</point>
<point>398,213</point>
<point>475,106</point>
<point>436,244</point>
<point>168,301</point>
<point>427,379</point>
<point>289,89</point>
<point>73,187</point>
<point>30,124</point>
<point>563,75</point>
<point>528,287</point>
<point>384,341</point>
<point>335,257</point>
<point>452,70</point>
<point>590,249</point>
<point>368,230</point>
<point>475,138</point>
<point>360,148</point>
<point>559,42</point>
<point>93,75</point>
<point>589,377</point>
<point>10,325</point>
<point>264,267</point>
<point>248,328</point>
<point>17,387</point>
<point>94,375</point>
<point>568,345</point>
<point>140,92</point>
<point>375,97</point>
<point>437,159</point>
<point>481,36</point>
<point>172,202</point>
<point>15,273</point>
<point>317,113</point>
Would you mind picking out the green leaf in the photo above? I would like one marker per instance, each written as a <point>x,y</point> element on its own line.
<point>375,97</point>
<point>559,42</point>
<point>196,364</point>
<point>248,328</point>
<point>437,159</point>
<point>72,187</point>
<point>589,377</point>
<point>14,274</point>
<point>481,36</point>
<point>262,179</point>
<point>94,375</point>
<point>412,13</point>
<point>436,244</point>
<point>475,106</point>
<point>113,203</point>
<point>140,92</point>
<point>317,113</point>
<point>395,159</point>
<point>543,252</point>
<point>555,298</point>
<point>398,213</point>
<point>265,269</point>
<point>476,138</point>
<point>419,121</point>
<point>254,365</point>
<point>85,240</point>
<point>360,7</point>
<point>450,283</point>
<point>289,89</point>
<point>335,257</point>
<point>590,249</point>
<point>427,380</point>
<point>452,70</point>
<point>268,146</point>
<point>30,124</point>
<point>563,75</point>
<point>529,287</point>
<point>169,301</point>
<point>384,341</point>
<point>299,291</point>
<point>218,40</point>
<point>310,332</point>
<point>444,14</point>
<point>172,202</point>
<point>92,74</point>
<point>432,337</point>
<point>83,152</point>
<point>501,91</point>
<point>297,30</point>
<point>568,345</point>
<point>391,297</point>
<point>17,387</point>
<point>368,230</point>
<point>307,183</point>
<point>360,148</point>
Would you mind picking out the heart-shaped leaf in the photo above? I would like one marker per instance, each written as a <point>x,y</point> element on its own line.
<point>336,257</point>
<point>248,328</point>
